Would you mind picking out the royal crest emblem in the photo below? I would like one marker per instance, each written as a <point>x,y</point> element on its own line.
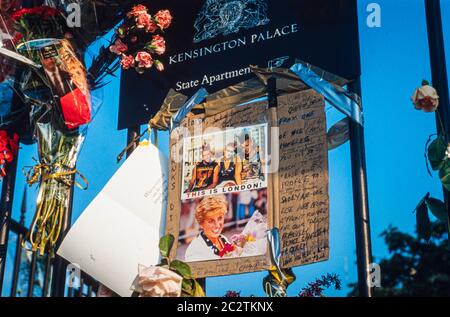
<point>224,17</point>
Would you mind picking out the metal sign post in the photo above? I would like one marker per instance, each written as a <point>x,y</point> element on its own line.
<point>439,72</point>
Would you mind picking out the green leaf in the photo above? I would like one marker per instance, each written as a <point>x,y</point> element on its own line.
<point>164,263</point>
<point>436,153</point>
<point>181,268</point>
<point>423,222</point>
<point>187,286</point>
<point>437,208</point>
<point>198,290</point>
<point>444,175</point>
<point>165,245</point>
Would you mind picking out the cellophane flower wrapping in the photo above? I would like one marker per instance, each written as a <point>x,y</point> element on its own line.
<point>60,105</point>
<point>56,173</point>
<point>60,84</point>
<point>252,240</point>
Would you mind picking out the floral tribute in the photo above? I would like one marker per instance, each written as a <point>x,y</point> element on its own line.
<point>60,96</point>
<point>425,98</point>
<point>38,22</point>
<point>437,157</point>
<point>8,150</point>
<point>139,41</point>
<point>168,279</point>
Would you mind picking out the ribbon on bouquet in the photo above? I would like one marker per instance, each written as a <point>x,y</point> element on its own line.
<point>59,172</point>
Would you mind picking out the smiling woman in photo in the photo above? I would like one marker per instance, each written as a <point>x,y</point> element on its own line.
<point>210,243</point>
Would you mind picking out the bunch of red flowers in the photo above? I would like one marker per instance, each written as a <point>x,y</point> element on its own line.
<point>42,12</point>
<point>137,39</point>
<point>37,23</point>
<point>8,150</point>
<point>228,248</point>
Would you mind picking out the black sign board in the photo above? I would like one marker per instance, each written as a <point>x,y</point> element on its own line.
<point>211,44</point>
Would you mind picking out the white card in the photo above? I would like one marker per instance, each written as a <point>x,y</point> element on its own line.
<point>122,226</point>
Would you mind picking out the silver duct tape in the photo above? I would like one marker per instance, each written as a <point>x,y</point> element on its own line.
<point>273,237</point>
<point>338,134</point>
<point>196,99</point>
<point>346,102</point>
<point>172,103</point>
<point>278,280</point>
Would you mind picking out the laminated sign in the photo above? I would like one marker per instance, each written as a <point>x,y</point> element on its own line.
<point>241,172</point>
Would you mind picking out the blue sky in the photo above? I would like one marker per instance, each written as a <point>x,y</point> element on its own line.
<point>394,61</point>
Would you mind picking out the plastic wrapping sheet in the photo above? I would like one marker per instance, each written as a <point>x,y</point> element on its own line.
<point>60,83</point>
<point>56,173</point>
<point>43,64</point>
<point>50,79</point>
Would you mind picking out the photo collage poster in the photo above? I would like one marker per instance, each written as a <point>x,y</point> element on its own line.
<point>222,195</point>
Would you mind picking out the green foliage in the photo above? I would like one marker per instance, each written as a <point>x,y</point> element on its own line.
<point>414,267</point>
<point>189,286</point>
<point>423,221</point>
<point>436,153</point>
<point>165,245</point>
<point>444,174</point>
<point>437,208</point>
<point>181,268</point>
<point>438,159</point>
<point>426,205</point>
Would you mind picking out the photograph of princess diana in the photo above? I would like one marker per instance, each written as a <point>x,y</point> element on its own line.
<point>223,226</point>
<point>225,162</point>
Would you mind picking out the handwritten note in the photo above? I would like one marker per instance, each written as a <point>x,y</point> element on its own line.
<point>303,179</point>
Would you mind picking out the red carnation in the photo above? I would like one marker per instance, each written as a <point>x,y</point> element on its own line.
<point>8,149</point>
<point>164,19</point>
<point>137,10</point>
<point>143,21</point>
<point>127,61</point>
<point>158,44</point>
<point>42,11</point>
<point>151,27</point>
<point>19,14</point>
<point>119,47</point>
<point>144,60</point>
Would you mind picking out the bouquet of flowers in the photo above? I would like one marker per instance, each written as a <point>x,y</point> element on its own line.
<point>56,171</point>
<point>138,39</point>
<point>252,240</point>
<point>9,146</point>
<point>58,96</point>
<point>43,37</point>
